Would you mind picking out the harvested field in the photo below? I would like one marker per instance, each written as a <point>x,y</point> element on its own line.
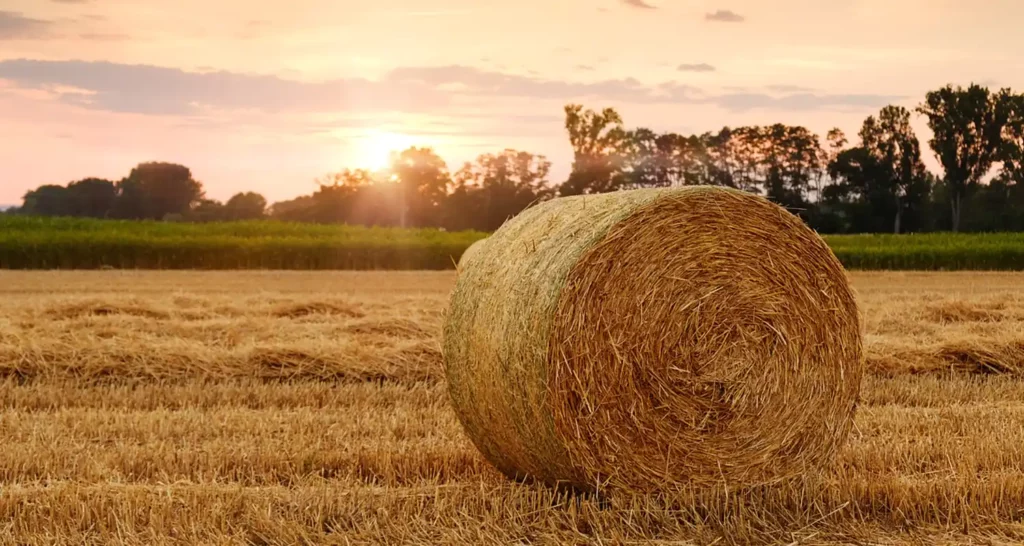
<point>272,408</point>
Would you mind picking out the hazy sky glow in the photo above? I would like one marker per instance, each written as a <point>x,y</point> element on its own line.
<point>269,95</point>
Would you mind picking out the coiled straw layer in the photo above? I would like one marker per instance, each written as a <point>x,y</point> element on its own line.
<point>650,338</point>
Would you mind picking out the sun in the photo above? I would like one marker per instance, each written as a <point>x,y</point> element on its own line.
<point>374,148</point>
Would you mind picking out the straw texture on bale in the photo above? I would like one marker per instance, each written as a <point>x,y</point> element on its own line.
<point>651,338</point>
<point>467,255</point>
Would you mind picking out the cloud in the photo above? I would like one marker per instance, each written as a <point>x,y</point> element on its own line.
<point>638,4</point>
<point>171,91</point>
<point>724,16</point>
<point>696,67</point>
<point>739,102</point>
<point>471,81</point>
<point>427,90</point>
<point>103,36</point>
<point>71,1</point>
<point>786,88</point>
<point>15,26</point>
<point>585,67</point>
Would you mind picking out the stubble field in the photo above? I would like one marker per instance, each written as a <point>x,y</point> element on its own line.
<point>282,408</point>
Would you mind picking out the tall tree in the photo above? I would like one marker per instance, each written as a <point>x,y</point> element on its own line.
<point>967,127</point>
<point>652,160</point>
<point>788,158</point>
<point>892,143</point>
<point>1012,151</point>
<point>722,162</point>
<point>596,139</point>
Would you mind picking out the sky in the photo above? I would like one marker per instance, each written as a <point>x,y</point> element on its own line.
<point>268,96</point>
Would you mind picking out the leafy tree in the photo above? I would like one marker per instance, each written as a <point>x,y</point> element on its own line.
<point>1012,150</point>
<point>92,197</point>
<point>156,189</point>
<point>722,160</point>
<point>651,160</point>
<point>596,139</point>
<point>881,181</point>
<point>293,210</point>
<point>892,143</point>
<point>132,202</point>
<point>48,200</point>
<point>207,210</point>
<point>496,187</point>
<point>245,206</point>
<point>423,180</point>
<point>996,206</point>
<point>967,127</point>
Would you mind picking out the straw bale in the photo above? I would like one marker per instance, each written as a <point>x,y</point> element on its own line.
<point>652,338</point>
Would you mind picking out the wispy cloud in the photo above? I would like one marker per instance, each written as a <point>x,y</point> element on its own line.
<point>104,36</point>
<point>786,88</point>
<point>170,91</point>
<point>638,4</point>
<point>724,16</point>
<point>803,101</point>
<point>15,26</point>
<point>695,67</point>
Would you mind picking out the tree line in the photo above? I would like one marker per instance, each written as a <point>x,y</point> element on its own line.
<point>875,183</point>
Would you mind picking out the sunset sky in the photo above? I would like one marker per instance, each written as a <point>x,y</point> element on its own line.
<point>269,95</point>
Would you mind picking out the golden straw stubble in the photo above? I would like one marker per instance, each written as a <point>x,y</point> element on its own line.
<point>653,338</point>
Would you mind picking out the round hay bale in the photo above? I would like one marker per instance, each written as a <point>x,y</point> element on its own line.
<point>652,338</point>
<point>467,255</point>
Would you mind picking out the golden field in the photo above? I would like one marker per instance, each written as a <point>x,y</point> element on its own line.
<point>283,408</point>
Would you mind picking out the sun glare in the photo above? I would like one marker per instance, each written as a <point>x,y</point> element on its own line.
<point>375,148</point>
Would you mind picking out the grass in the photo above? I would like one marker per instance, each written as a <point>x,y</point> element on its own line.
<point>75,243</point>
<point>930,251</point>
<point>296,407</point>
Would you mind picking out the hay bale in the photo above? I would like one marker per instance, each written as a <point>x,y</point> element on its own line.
<point>653,338</point>
<point>468,254</point>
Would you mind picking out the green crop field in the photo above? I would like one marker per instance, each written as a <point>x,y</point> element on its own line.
<point>930,251</point>
<point>65,243</point>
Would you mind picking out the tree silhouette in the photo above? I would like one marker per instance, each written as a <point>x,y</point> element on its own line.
<point>496,187</point>
<point>423,178</point>
<point>47,200</point>
<point>92,197</point>
<point>892,143</point>
<point>1011,153</point>
<point>596,139</point>
<point>966,125</point>
<point>155,189</point>
<point>245,206</point>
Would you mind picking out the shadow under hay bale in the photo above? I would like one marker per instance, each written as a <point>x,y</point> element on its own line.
<point>652,338</point>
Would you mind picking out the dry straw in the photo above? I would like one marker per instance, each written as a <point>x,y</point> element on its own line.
<point>467,255</point>
<point>652,338</point>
